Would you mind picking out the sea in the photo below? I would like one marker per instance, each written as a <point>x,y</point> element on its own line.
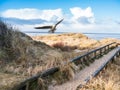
<point>97,36</point>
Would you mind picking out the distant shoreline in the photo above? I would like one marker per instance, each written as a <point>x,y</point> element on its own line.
<point>96,36</point>
<point>69,32</point>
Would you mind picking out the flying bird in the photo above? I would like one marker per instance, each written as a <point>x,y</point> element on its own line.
<point>51,27</point>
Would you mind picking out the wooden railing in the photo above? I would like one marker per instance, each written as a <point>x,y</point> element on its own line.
<point>80,59</point>
<point>94,54</point>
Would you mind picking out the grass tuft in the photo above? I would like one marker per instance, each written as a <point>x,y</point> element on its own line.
<point>66,73</point>
<point>63,47</point>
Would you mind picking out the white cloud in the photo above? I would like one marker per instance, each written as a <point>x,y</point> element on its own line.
<point>78,12</point>
<point>28,13</point>
<point>78,20</point>
<point>84,16</point>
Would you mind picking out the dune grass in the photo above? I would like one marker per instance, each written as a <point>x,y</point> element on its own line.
<point>73,40</point>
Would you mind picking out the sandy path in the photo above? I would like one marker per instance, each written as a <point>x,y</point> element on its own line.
<point>83,74</point>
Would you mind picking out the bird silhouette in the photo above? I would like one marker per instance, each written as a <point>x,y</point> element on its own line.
<point>51,27</point>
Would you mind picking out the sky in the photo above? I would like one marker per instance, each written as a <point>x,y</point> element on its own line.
<point>98,16</point>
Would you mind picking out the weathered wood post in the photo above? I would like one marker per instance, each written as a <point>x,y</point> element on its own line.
<point>105,49</point>
<point>108,48</point>
<point>100,52</point>
<point>94,54</point>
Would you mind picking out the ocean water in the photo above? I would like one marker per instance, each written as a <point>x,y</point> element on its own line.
<point>99,36</point>
<point>96,36</point>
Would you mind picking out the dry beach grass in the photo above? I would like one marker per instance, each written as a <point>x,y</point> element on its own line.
<point>77,40</point>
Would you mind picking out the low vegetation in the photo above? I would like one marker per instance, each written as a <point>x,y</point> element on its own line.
<point>63,47</point>
<point>73,40</point>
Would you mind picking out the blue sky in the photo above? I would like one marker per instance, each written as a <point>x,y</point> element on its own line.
<point>89,15</point>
